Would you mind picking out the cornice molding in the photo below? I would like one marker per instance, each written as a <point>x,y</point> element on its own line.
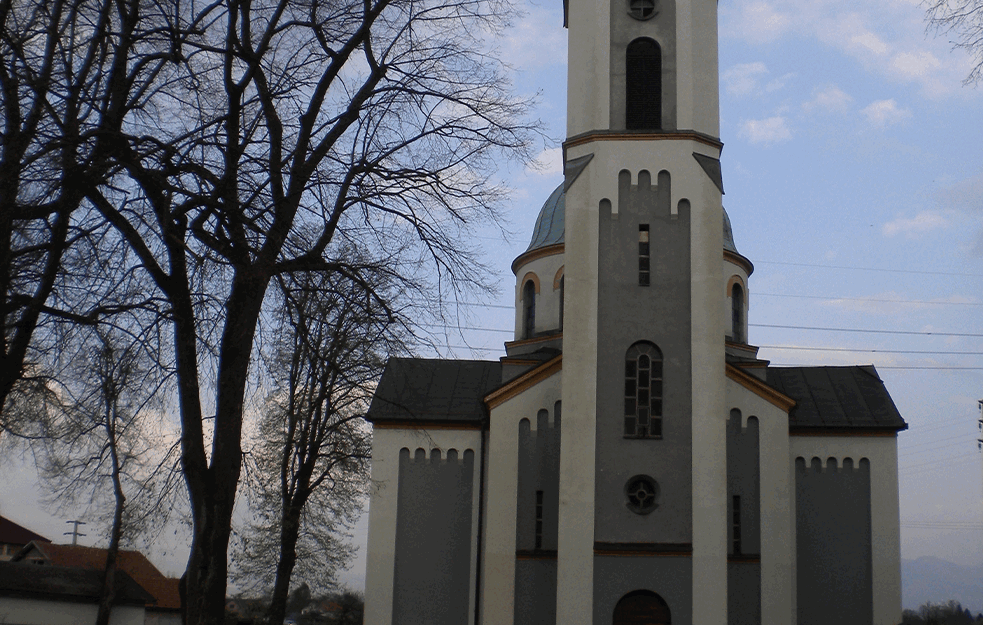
<point>526,380</point>
<point>531,255</point>
<point>740,261</point>
<point>759,388</point>
<point>621,135</point>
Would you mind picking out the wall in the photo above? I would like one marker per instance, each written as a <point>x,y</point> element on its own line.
<point>668,576</point>
<point>433,538</point>
<point>833,543</point>
<point>36,612</point>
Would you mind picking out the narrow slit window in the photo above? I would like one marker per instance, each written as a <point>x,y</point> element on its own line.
<point>539,519</point>
<point>643,391</point>
<point>644,258</point>
<point>737,313</point>
<point>737,525</point>
<point>529,309</point>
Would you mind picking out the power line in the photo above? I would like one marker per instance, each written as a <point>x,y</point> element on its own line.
<point>869,299</point>
<point>872,351</point>
<point>893,367</point>
<point>862,330</point>
<point>911,271</point>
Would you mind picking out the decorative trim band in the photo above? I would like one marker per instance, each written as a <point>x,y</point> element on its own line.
<point>621,135</point>
<point>536,339</point>
<point>760,389</point>
<point>834,431</point>
<point>531,255</point>
<point>740,261</point>
<point>526,380</point>
<point>643,549</point>
<point>422,424</point>
<point>535,554</point>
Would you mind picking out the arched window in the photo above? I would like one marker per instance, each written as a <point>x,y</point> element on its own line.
<point>642,607</point>
<point>561,301</point>
<point>528,309</point>
<point>643,85</point>
<point>737,313</point>
<point>643,391</point>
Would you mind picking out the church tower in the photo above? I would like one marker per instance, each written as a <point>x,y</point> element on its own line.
<point>687,481</point>
<point>643,371</point>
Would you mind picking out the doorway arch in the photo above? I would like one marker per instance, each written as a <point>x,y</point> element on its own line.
<point>642,607</point>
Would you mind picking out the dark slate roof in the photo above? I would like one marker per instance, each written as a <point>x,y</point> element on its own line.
<point>432,390</point>
<point>846,398</point>
<point>13,534</point>
<point>549,224</point>
<point>32,581</point>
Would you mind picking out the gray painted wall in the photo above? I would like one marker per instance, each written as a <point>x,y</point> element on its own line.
<point>659,313</point>
<point>744,593</point>
<point>535,592</point>
<point>624,30</point>
<point>833,542</point>
<point>669,577</point>
<point>743,479</point>
<point>539,469</point>
<point>433,538</point>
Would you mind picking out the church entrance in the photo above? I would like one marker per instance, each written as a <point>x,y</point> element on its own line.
<point>642,607</point>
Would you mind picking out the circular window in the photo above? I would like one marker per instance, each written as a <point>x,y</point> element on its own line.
<point>641,9</point>
<point>642,493</point>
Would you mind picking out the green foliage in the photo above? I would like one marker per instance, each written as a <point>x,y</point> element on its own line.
<point>950,613</point>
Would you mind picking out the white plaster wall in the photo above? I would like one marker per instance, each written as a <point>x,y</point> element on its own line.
<point>37,612</point>
<point>730,270</point>
<point>498,558</point>
<point>777,512</point>
<point>547,300</point>
<point>882,453</point>
<point>588,67</point>
<point>381,551</point>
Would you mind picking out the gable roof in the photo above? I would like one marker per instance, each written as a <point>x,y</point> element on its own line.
<point>837,398</point>
<point>18,579</point>
<point>163,589</point>
<point>434,391</point>
<point>13,534</point>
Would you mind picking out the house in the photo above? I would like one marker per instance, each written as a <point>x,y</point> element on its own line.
<point>631,459</point>
<point>13,537</point>
<point>164,609</point>
<point>58,595</point>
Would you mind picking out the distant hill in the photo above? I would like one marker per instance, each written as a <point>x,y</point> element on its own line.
<point>937,580</point>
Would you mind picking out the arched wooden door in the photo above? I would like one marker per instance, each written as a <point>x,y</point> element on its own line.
<point>642,607</point>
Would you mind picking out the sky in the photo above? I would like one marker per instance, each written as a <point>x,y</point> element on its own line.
<point>854,181</point>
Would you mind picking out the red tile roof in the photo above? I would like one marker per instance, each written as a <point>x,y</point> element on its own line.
<point>13,534</point>
<point>134,563</point>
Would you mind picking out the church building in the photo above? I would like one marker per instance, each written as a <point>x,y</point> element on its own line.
<point>631,460</point>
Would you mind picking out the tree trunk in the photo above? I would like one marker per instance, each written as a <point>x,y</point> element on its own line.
<point>109,578</point>
<point>289,531</point>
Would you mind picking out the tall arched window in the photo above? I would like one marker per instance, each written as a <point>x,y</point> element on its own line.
<point>643,85</point>
<point>528,309</point>
<point>737,313</point>
<point>642,607</point>
<point>643,391</point>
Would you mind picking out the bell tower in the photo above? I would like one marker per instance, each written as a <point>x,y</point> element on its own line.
<point>643,474</point>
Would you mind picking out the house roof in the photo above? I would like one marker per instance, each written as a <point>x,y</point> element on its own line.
<point>13,534</point>
<point>434,391</point>
<point>29,581</point>
<point>163,589</point>
<point>837,398</point>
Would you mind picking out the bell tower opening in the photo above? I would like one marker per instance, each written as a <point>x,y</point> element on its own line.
<point>643,85</point>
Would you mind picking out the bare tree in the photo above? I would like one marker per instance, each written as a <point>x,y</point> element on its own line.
<point>311,458</point>
<point>104,452</point>
<point>963,20</point>
<point>289,131</point>
<point>226,144</point>
<point>69,78</point>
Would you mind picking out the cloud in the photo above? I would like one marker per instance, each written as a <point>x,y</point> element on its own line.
<point>831,99</point>
<point>892,303</point>
<point>759,22</point>
<point>534,42</point>
<point>884,113</point>
<point>549,162</point>
<point>766,131</point>
<point>913,227</point>
<point>743,79</point>
<point>779,83</point>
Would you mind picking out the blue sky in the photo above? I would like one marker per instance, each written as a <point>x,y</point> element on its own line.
<point>854,181</point>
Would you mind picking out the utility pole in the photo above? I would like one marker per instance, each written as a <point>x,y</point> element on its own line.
<point>75,531</point>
